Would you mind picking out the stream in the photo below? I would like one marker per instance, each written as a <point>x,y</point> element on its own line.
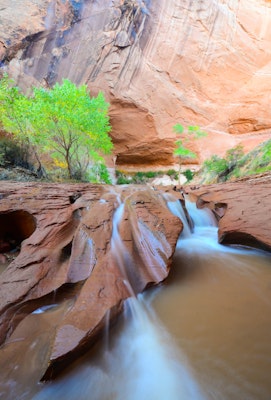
<point>204,334</point>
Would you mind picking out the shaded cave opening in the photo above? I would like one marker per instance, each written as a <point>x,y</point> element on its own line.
<point>15,226</point>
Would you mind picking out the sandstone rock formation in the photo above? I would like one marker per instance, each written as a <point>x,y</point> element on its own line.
<point>195,62</point>
<point>88,248</point>
<point>243,210</point>
<point>92,246</point>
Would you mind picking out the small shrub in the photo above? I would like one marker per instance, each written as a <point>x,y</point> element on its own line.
<point>122,180</point>
<point>188,174</point>
<point>236,164</point>
<point>11,154</point>
<point>98,173</point>
<point>215,165</point>
<point>172,173</point>
<point>143,177</point>
<point>234,155</point>
<point>150,174</point>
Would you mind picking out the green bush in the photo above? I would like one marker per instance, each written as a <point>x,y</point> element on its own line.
<point>123,181</point>
<point>142,177</point>
<point>122,178</point>
<point>11,154</point>
<point>98,173</point>
<point>215,165</point>
<point>150,174</point>
<point>172,173</point>
<point>188,174</point>
<point>236,164</point>
<point>234,155</point>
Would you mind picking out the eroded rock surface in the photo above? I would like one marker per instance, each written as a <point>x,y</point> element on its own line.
<point>206,63</point>
<point>87,248</point>
<point>243,209</point>
<point>93,246</point>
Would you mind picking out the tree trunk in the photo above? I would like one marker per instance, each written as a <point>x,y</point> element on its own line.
<point>41,173</point>
<point>67,158</point>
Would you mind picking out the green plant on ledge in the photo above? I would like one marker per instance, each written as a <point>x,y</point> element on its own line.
<point>186,136</point>
<point>236,164</point>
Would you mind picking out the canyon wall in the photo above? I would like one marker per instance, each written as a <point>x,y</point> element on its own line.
<point>205,63</point>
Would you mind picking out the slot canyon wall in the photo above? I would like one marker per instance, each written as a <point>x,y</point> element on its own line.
<point>205,62</point>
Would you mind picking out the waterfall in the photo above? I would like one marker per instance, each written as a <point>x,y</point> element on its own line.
<point>143,363</point>
<point>202,335</point>
<point>119,250</point>
<point>221,312</point>
<point>175,206</point>
<point>200,217</point>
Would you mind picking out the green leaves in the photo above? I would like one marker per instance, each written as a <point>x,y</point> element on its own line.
<point>64,121</point>
<point>188,135</point>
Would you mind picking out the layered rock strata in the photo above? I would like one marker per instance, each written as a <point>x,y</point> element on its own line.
<point>204,63</point>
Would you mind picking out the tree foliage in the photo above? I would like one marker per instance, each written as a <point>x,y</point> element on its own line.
<point>64,122</point>
<point>218,169</point>
<point>187,135</point>
<point>13,115</point>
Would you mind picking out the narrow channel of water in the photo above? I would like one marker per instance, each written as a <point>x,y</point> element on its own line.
<point>217,305</point>
<point>202,335</point>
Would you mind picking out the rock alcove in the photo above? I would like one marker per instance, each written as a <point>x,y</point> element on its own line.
<point>15,226</point>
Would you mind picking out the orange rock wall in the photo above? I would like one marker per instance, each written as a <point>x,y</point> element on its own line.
<point>195,62</point>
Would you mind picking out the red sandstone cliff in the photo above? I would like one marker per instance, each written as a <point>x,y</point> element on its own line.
<point>194,62</point>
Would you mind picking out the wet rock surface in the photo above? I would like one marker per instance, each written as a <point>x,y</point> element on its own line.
<point>92,246</point>
<point>87,248</point>
<point>242,207</point>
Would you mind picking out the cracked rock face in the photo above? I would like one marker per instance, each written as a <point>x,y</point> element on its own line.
<point>84,247</point>
<point>206,63</point>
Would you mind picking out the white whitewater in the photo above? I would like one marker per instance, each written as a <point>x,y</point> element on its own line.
<point>141,363</point>
<point>204,335</point>
<point>217,303</point>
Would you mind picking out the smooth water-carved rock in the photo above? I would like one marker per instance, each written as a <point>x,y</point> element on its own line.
<point>93,245</point>
<point>243,210</point>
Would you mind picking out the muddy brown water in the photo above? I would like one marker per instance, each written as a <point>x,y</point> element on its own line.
<point>217,307</point>
<point>204,334</point>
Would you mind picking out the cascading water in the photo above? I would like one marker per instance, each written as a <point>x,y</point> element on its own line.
<point>202,335</point>
<point>141,363</point>
<point>221,312</point>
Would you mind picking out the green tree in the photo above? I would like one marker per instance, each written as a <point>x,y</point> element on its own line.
<point>74,126</point>
<point>14,106</point>
<point>186,136</point>
<point>65,122</point>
